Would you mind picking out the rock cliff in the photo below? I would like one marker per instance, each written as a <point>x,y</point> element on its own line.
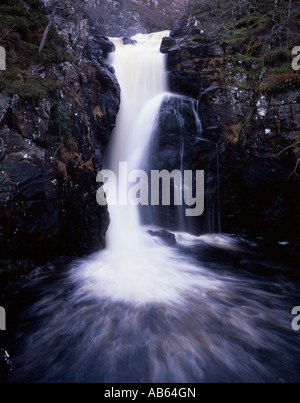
<point>52,136</point>
<point>249,104</point>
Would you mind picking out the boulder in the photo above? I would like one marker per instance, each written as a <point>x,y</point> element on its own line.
<point>166,236</point>
<point>129,41</point>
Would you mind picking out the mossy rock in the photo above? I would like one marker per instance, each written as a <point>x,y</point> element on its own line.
<point>27,86</point>
<point>21,32</point>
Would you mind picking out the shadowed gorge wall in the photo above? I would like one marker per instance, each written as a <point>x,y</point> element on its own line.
<point>240,68</point>
<point>57,114</point>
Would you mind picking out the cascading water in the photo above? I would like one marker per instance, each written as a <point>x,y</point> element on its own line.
<point>140,70</point>
<point>141,73</point>
<point>145,270</point>
<point>141,311</point>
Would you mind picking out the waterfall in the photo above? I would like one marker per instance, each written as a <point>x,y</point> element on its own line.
<point>145,102</point>
<point>146,270</point>
<point>140,71</point>
<point>135,267</point>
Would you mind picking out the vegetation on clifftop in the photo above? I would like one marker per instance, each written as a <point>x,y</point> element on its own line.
<point>129,17</point>
<point>21,30</point>
<point>258,37</point>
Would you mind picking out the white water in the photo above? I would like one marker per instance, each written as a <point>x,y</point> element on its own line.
<point>135,267</point>
<point>141,74</point>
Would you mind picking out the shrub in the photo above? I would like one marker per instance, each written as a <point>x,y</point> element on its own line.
<point>21,32</point>
<point>17,81</point>
<point>59,128</point>
<point>280,79</point>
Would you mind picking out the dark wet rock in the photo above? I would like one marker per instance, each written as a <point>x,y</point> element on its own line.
<point>129,41</point>
<point>48,187</point>
<point>166,236</point>
<point>94,50</point>
<point>196,31</point>
<point>5,365</point>
<point>99,46</point>
<point>177,29</point>
<point>216,51</point>
<point>166,44</point>
<point>259,193</point>
<point>4,105</point>
<point>48,174</point>
<point>179,143</point>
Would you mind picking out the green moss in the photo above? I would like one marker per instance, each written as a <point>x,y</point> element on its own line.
<point>297,140</point>
<point>239,33</point>
<point>204,16</point>
<point>295,16</point>
<point>253,21</point>
<point>278,56</point>
<point>17,81</point>
<point>248,118</point>
<point>21,32</point>
<point>59,130</point>
<point>246,62</point>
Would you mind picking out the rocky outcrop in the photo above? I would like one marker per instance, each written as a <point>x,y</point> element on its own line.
<point>51,149</point>
<point>166,236</point>
<point>255,129</point>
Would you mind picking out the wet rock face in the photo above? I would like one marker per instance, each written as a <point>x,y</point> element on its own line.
<point>51,150</point>
<point>99,46</point>
<point>166,236</point>
<point>5,365</point>
<point>271,188</point>
<point>29,206</point>
<point>179,144</point>
<point>28,196</point>
<point>48,184</point>
<point>255,133</point>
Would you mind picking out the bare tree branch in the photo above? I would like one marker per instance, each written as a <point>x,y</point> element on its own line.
<point>287,148</point>
<point>47,29</point>
<point>57,5</point>
<point>6,33</point>
<point>295,169</point>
